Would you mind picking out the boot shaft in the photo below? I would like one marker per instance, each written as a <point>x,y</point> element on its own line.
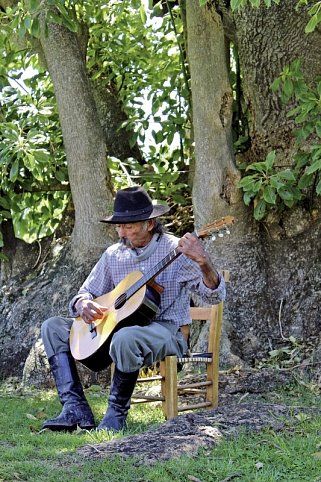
<point>66,378</point>
<point>122,387</point>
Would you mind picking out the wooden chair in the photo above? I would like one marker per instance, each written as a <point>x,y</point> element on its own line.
<point>171,390</point>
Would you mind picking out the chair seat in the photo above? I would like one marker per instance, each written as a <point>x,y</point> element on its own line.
<point>195,357</point>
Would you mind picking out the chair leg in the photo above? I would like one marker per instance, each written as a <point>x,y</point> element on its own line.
<point>212,390</point>
<point>168,371</point>
<point>213,367</point>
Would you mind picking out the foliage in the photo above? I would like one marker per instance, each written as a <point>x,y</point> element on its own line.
<point>134,51</point>
<point>237,4</point>
<point>306,115</point>
<point>289,354</point>
<point>160,178</point>
<point>145,65</point>
<point>30,454</point>
<point>314,11</point>
<point>271,186</point>
<point>32,156</point>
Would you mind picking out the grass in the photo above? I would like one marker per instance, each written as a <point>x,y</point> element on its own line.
<point>27,454</point>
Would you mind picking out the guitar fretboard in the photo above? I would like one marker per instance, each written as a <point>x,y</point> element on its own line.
<point>152,273</point>
<point>214,227</point>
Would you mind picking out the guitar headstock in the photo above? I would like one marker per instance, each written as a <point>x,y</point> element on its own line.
<point>219,227</point>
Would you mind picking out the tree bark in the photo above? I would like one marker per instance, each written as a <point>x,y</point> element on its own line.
<point>215,173</point>
<point>268,39</point>
<point>83,139</point>
<point>275,271</point>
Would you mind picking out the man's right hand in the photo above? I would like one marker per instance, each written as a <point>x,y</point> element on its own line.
<point>90,310</point>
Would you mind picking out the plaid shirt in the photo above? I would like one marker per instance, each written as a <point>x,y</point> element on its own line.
<point>179,279</point>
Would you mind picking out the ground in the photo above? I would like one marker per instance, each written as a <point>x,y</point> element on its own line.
<point>241,406</point>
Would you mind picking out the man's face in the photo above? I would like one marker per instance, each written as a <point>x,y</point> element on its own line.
<point>135,235</point>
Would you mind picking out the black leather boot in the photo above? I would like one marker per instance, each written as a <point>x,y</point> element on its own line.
<point>75,411</point>
<point>121,390</point>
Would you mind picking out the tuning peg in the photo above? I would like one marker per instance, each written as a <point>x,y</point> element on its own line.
<point>213,237</point>
<point>227,231</point>
<point>220,234</point>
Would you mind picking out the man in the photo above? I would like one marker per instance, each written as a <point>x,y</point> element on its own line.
<point>142,245</point>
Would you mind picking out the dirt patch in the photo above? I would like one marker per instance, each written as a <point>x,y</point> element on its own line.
<point>241,408</point>
<point>186,434</point>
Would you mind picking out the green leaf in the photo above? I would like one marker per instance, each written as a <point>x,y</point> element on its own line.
<point>257,166</point>
<point>6,214</point>
<point>270,158</point>
<point>313,22</point>
<point>318,188</point>
<point>294,112</point>
<point>289,202</point>
<point>14,171</point>
<point>41,155</point>
<point>251,184</point>
<point>305,181</point>
<point>34,5</point>
<point>247,197</point>
<point>133,139</point>
<point>286,194</point>
<point>276,182</point>
<point>236,4</point>
<point>269,195</point>
<point>314,167</point>
<point>288,87</point>
<point>27,22</point>
<point>301,160</point>
<point>21,31</point>
<point>259,210</point>
<point>275,84</point>
<point>142,13</point>
<point>319,89</point>
<point>4,203</point>
<point>287,174</point>
<point>35,28</point>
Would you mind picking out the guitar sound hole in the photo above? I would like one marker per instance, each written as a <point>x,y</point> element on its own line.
<point>121,300</point>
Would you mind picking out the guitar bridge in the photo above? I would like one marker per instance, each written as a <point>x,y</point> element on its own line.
<point>93,330</point>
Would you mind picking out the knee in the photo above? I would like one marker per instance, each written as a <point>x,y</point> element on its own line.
<point>48,326</point>
<point>121,339</point>
<point>125,341</point>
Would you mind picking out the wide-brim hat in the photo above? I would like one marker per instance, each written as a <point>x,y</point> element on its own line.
<point>132,205</point>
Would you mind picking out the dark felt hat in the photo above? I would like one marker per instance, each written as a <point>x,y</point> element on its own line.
<point>132,205</point>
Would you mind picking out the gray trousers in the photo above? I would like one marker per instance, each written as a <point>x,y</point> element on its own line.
<point>131,347</point>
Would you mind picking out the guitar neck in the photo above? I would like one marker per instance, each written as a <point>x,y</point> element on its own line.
<point>211,228</point>
<point>152,273</point>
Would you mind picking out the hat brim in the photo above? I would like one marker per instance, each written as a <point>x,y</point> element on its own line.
<point>158,210</point>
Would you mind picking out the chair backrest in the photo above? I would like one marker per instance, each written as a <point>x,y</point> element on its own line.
<point>199,313</point>
<point>214,315</point>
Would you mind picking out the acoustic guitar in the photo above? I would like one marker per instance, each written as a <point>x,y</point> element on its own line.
<point>134,301</point>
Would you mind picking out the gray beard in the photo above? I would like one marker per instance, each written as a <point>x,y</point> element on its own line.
<point>126,243</point>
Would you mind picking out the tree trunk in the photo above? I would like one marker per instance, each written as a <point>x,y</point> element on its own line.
<point>268,39</point>
<point>215,192</point>
<point>83,139</point>
<point>215,173</point>
<point>275,279</point>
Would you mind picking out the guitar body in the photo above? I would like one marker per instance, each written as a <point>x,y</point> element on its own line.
<point>91,348</point>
